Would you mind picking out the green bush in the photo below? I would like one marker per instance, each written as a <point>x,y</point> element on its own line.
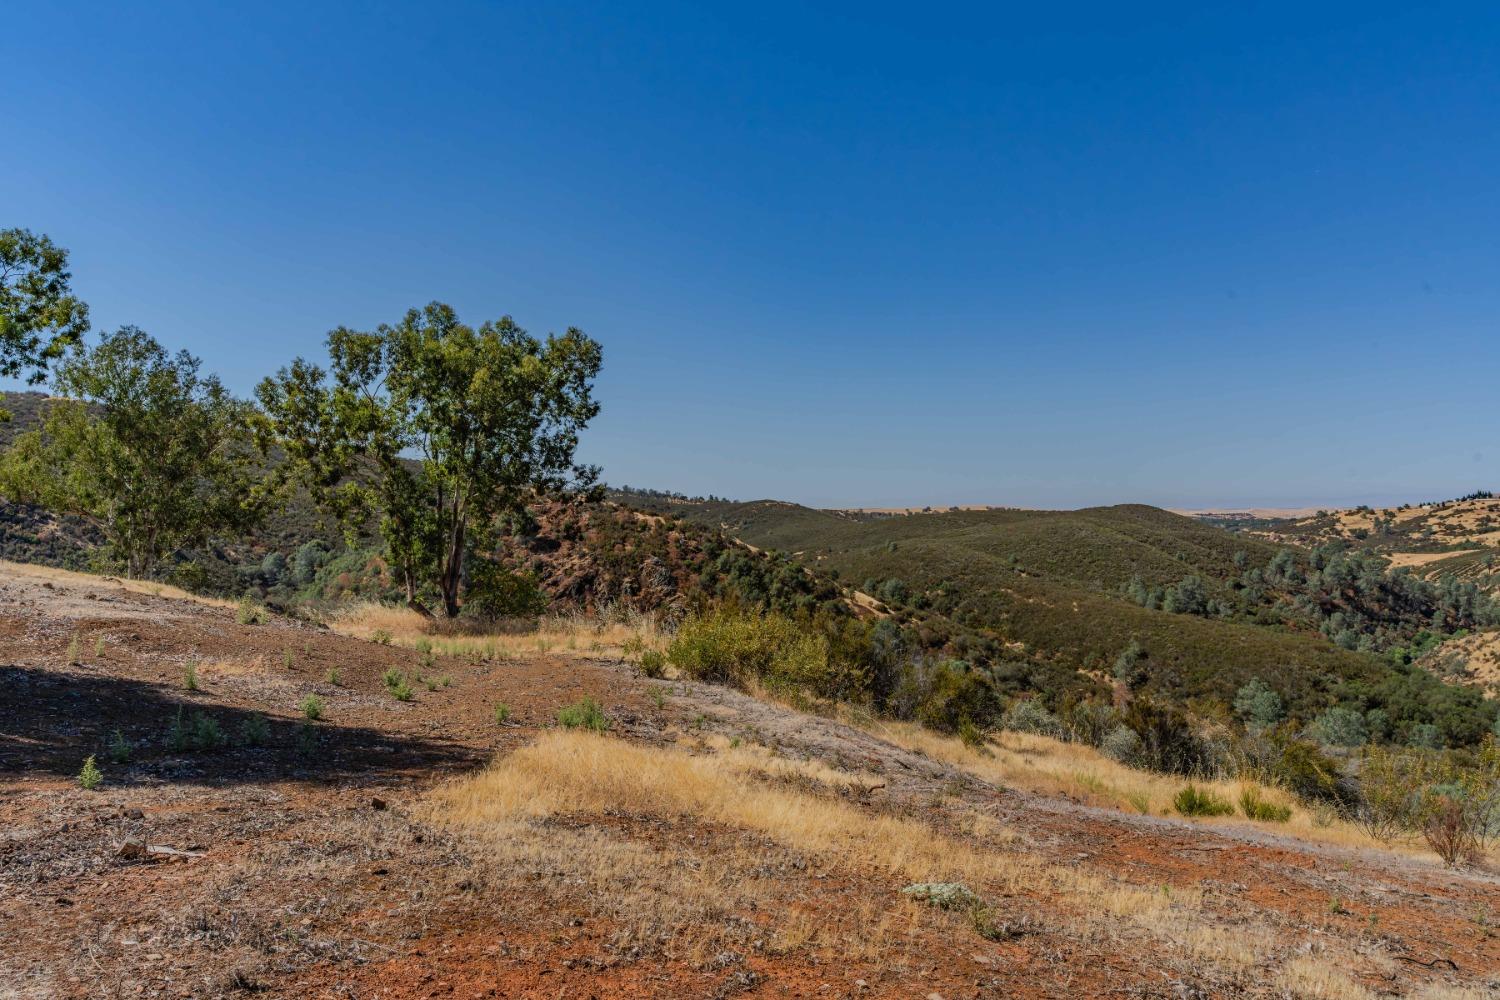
<point>250,613</point>
<point>1340,726</point>
<point>1255,806</point>
<point>381,636</point>
<point>1304,770</point>
<point>583,714</point>
<point>972,737</point>
<point>198,732</point>
<point>945,695</point>
<point>1193,801</point>
<point>653,663</point>
<point>1028,716</point>
<point>254,730</point>
<point>90,777</point>
<point>119,748</point>
<point>1168,742</point>
<point>1122,744</point>
<point>502,713</point>
<point>734,647</point>
<point>494,593</point>
<point>312,707</point>
<point>397,684</point>
<point>190,675</point>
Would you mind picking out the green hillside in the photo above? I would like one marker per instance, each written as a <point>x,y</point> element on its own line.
<point>1054,587</point>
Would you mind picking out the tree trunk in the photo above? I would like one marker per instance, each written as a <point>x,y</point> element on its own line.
<point>411,593</point>
<point>453,569</point>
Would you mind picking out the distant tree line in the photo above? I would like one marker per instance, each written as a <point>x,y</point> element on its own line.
<point>429,428</point>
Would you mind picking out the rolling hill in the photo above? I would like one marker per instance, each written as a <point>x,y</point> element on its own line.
<point>1053,587</point>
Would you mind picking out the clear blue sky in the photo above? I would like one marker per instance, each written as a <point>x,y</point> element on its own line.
<point>1050,255</point>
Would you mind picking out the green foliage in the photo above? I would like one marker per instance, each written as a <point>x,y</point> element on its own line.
<point>248,612</point>
<point>494,593</point>
<point>1258,704</point>
<point>1129,666</point>
<point>1168,742</point>
<point>198,732</point>
<point>120,748</point>
<point>1340,726</point>
<point>381,636</point>
<point>583,714</point>
<point>653,663</point>
<point>1027,716</point>
<point>1195,801</point>
<point>945,695</point>
<point>398,684</point>
<point>39,317</point>
<point>493,412</point>
<point>972,736</point>
<point>1302,768</point>
<point>190,675</point>
<point>1083,597</point>
<point>306,743</point>
<point>311,707</point>
<point>90,777</point>
<point>148,452</point>
<point>502,713</point>
<point>254,730</point>
<point>1122,744</point>
<point>333,677</point>
<point>1254,805</point>
<point>732,646</point>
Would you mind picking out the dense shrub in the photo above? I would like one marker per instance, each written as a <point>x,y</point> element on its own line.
<point>1168,740</point>
<point>735,647</point>
<point>1303,769</point>
<point>1256,806</point>
<point>1028,716</point>
<point>583,714</point>
<point>493,592</point>
<point>945,694</point>
<point>1195,801</point>
<point>1122,744</point>
<point>1258,704</point>
<point>1340,726</point>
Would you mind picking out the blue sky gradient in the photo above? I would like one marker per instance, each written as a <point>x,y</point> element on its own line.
<point>1048,255</point>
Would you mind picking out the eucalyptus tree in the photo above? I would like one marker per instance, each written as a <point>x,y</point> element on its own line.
<point>39,316</point>
<point>435,428</point>
<point>153,454</point>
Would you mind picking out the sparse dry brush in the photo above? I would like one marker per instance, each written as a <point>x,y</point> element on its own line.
<point>516,806</point>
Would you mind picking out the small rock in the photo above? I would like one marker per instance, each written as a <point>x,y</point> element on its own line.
<point>377,803</point>
<point>132,850</point>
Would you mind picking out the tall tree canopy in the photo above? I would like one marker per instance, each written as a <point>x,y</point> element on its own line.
<point>153,454</point>
<point>39,317</point>
<point>437,428</point>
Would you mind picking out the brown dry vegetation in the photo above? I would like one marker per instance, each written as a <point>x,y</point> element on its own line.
<point>709,844</point>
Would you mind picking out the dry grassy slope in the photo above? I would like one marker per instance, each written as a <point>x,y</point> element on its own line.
<point>1423,537</point>
<point>710,845</point>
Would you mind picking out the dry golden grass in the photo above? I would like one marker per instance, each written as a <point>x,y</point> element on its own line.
<point>1319,978</point>
<point>1054,767</point>
<point>609,634</point>
<point>90,580</point>
<point>569,773</point>
<point>570,776</point>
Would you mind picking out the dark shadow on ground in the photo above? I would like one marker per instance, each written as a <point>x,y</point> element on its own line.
<point>50,722</point>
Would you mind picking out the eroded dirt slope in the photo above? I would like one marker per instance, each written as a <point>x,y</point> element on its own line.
<point>308,859</point>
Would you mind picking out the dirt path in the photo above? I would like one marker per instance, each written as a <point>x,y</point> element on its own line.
<point>296,860</point>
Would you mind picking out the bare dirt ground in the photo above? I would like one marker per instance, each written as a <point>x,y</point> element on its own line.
<point>312,864</point>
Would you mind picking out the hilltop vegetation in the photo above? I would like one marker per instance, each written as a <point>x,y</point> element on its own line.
<point>1068,591</point>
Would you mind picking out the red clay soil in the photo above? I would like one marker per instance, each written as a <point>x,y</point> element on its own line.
<point>297,863</point>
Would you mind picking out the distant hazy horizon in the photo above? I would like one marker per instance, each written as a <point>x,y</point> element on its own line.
<point>1032,256</point>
